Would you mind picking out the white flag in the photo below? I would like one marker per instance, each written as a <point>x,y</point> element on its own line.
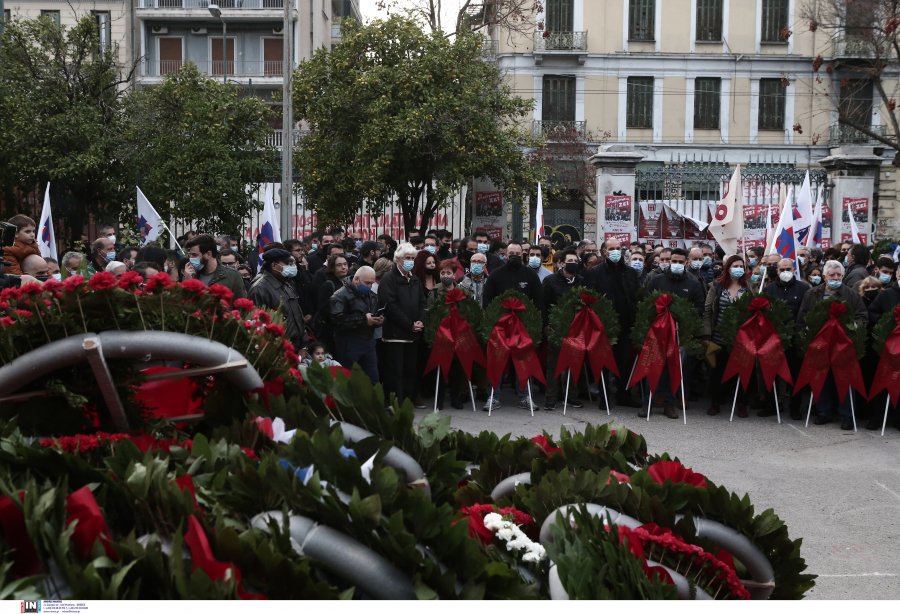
<point>45,236</point>
<point>539,216</point>
<point>727,224</point>
<point>814,237</point>
<point>269,223</point>
<point>149,222</point>
<point>803,217</point>
<point>854,229</point>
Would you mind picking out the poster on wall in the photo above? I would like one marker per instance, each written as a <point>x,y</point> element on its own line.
<point>489,216</point>
<point>618,213</point>
<point>648,221</point>
<point>671,224</point>
<point>860,208</point>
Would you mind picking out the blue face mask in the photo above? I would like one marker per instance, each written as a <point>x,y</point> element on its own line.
<point>431,249</point>
<point>614,255</point>
<point>313,247</point>
<point>676,269</point>
<point>197,263</point>
<point>815,279</point>
<point>846,261</point>
<point>834,284</point>
<point>363,288</point>
<point>534,262</point>
<point>801,260</point>
<point>358,243</point>
<point>884,278</point>
<point>289,270</point>
<point>707,261</point>
<point>477,268</point>
<point>752,261</point>
<point>110,256</point>
<point>736,272</point>
<point>57,276</point>
<point>482,248</point>
<point>754,278</point>
<point>696,264</point>
<point>637,265</point>
<point>408,265</point>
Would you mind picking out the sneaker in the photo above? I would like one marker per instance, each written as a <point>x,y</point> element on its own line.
<point>489,407</point>
<point>820,419</point>
<point>642,413</point>
<point>669,411</point>
<point>524,404</point>
<point>456,402</point>
<point>575,404</point>
<point>873,423</point>
<point>550,407</point>
<point>713,410</point>
<point>847,424</point>
<point>797,413</point>
<point>594,389</point>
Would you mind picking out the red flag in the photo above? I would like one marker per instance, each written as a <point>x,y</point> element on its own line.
<point>757,338</point>
<point>586,337</point>
<point>831,349</point>
<point>510,339</point>
<point>887,375</point>
<point>660,349</point>
<point>455,338</point>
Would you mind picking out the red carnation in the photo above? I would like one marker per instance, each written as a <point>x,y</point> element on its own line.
<point>194,285</point>
<point>265,426</point>
<point>675,472</point>
<point>544,443</point>
<point>621,477</point>
<point>130,279</point>
<point>160,280</point>
<point>222,293</point>
<point>72,282</point>
<point>51,285</point>
<point>31,288</point>
<point>102,281</point>
<point>276,329</point>
<point>262,316</point>
<point>249,453</point>
<point>244,303</point>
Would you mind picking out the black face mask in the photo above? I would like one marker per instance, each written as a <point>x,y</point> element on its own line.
<point>42,278</point>
<point>447,281</point>
<point>571,268</point>
<point>515,262</point>
<point>870,294</point>
<point>545,252</point>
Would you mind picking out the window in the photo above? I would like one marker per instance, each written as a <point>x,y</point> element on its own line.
<point>709,20</point>
<point>856,101</point>
<point>559,15</point>
<point>641,20</point>
<point>771,104</point>
<point>774,21</point>
<point>104,29</point>
<point>707,99</point>
<point>639,103</point>
<point>7,15</point>
<point>54,15</point>
<point>558,103</point>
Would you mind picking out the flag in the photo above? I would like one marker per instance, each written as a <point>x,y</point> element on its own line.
<point>148,220</point>
<point>269,228</point>
<point>785,243</point>
<point>45,235</point>
<point>814,237</point>
<point>803,213</point>
<point>727,225</point>
<point>854,229</point>
<point>539,216</point>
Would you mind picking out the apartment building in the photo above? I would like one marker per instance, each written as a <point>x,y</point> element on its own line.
<point>718,81</point>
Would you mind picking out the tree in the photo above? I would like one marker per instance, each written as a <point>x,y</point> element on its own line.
<point>199,143</point>
<point>60,98</point>
<point>864,70</point>
<point>512,16</point>
<point>396,114</point>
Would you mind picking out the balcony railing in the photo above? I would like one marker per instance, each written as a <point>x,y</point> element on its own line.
<point>276,138</point>
<point>215,68</point>
<point>852,47</point>
<point>560,41</point>
<point>559,131</point>
<point>841,134</point>
<point>203,4</point>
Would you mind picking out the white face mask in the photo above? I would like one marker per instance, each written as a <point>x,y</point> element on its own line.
<point>785,276</point>
<point>112,238</point>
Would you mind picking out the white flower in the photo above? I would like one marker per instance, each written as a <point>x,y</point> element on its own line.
<point>515,539</point>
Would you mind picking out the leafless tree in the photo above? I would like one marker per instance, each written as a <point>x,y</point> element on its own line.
<point>512,16</point>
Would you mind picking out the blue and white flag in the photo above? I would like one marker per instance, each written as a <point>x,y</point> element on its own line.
<point>269,224</point>
<point>45,236</point>
<point>148,220</point>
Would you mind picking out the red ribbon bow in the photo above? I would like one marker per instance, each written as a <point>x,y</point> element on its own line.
<point>510,339</point>
<point>26,561</point>
<point>757,339</point>
<point>454,339</point>
<point>82,507</point>
<point>660,350</point>
<point>202,558</point>
<point>831,349</point>
<point>454,296</point>
<point>586,337</point>
<point>887,375</point>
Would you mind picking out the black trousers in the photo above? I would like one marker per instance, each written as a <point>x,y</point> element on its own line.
<point>399,369</point>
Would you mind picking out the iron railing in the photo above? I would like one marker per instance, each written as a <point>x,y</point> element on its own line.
<point>264,68</point>
<point>841,134</point>
<point>852,47</point>
<point>559,130</point>
<point>560,41</point>
<point>276,138</point>
<point>239,5</point>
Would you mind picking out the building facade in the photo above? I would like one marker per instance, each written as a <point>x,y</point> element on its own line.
<point>724,82</point>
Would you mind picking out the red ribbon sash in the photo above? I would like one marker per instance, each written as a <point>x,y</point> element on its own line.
<point>660,350</point>
<point>454,339</point>
<point>887,375</point>
<point>757,339</point>
<point>25,559</point>
<point>510,340</point>
<point>831,349</point>
<point>587,338</point>
<point>82,507</point>
<point>202,557</point>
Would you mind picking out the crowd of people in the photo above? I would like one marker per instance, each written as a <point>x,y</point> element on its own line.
<point>346,301</point>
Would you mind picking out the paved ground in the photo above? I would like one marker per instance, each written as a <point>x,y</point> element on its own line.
<point>838,490</point>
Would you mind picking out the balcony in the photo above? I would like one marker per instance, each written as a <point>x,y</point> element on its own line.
<point>560,43</point>
<point>559,130</point>
<point>238,5</point>
<point>841,134</point>
<point>233,70</point>
<point>276,138</point>
<point>851,48</point>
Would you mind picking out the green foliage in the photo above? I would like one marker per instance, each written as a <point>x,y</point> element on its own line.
<point>562,314</point>
<point>60,98</point>
<point>883,329</point>
<point>531,317</point>
<point>199,143</point>
<point>689,324</point>
<point>397,113</point>
<point>818,316</point>
<point>777,313</point>
<point>470,311</point>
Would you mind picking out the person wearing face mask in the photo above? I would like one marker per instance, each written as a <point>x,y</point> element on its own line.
<point>888,298</point>
<point>514,275</point>
<point>869,289</point>
<point>554,288</point>
<point>355,316</point>
<point>616,279</point>
<point>833,288</point>
<point>814,278</point>
<point>483,246</point>
<point>546,245</point>
<point>274,289</point>
<point>724,291</point>
<point>695,266</point>
<point>535,262</point>
<point>202,252</point>
<point>661,263</point>
<point>474,280</point>
<point>53,269</point>
<point>637,262</point>
<point>706,270</point>
<point>856,261</point>
<point>103,252</point>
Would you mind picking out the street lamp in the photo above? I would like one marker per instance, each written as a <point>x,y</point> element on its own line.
<point>216,12</point>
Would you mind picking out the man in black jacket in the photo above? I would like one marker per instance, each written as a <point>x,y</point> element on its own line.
<point>274,289</point>
<point>513,275</point>
<point>556,285</point>
<point>354,314</point>
<point>619,282</point>
<point>400,294</point>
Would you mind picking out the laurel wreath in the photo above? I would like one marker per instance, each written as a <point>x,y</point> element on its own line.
<point>563,313</point>
<point>689,324</point>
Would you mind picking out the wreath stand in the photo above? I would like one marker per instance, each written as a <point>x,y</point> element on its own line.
<point>734,402</point>
<point>681,377</point>
<point>437,383</point>
<point>590,398</point>
<point>852,410</point>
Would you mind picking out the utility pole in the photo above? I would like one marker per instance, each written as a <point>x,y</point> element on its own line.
<point>287,126</point>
